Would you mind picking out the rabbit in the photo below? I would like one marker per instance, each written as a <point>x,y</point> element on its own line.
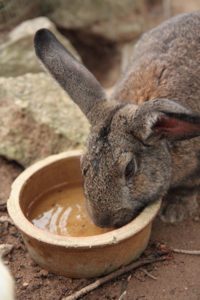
<point>144,142</point>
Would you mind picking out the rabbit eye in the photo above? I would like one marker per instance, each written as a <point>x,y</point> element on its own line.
<point>130,169</point>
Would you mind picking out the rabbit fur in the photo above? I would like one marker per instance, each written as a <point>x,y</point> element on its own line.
<point>144,142</point>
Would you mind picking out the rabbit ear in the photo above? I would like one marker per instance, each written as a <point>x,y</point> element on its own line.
<point>163,118</point>
<point>74,78</point>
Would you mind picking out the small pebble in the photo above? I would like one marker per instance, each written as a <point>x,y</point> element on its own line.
<point>25,284</point>
<point>196,218</point>
<point>43,273</point>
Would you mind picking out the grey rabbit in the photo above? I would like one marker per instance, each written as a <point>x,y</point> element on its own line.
<point>144,142</point>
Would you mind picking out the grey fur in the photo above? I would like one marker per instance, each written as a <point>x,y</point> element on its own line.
<point>144,143</point>
<point>78,82</point>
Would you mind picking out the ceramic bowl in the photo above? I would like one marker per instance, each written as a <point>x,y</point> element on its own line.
<point>75,257</point>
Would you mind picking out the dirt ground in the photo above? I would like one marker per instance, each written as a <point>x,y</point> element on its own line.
<point>177,278</point>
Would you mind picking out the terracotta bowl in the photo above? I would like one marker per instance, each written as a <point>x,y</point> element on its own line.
<point>74,257</point>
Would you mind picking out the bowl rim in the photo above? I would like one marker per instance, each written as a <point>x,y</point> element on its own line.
<point>108,238</point>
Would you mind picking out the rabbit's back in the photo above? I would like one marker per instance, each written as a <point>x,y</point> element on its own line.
<point>165,64</point>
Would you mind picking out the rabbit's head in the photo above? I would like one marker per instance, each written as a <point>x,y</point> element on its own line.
<point>126,164</point>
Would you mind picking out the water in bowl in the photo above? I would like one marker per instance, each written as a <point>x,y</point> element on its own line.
<point>62,211</point>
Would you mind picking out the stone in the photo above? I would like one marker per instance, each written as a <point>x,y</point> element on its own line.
<point>114,20</point>
<point>5,249</point>
<point>14,12</point>
<point>37,119</point>
<point>17,51</point>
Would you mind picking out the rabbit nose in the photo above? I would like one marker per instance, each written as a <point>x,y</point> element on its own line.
<point>122,217</point>
<point>105,221</point>
<point>122,222</point>
<point>117,220</point>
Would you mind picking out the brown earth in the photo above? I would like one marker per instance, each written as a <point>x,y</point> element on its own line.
<point>177,278</point>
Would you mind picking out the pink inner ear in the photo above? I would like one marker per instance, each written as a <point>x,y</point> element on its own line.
<point>175,128</point>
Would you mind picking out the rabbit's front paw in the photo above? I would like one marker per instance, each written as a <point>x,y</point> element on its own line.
<point>178,209</point>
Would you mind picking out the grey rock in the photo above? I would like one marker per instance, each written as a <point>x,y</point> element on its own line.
<point>115,20</point>
<point>14,12</point>
<point>38,119</point>
<point>17,52</point>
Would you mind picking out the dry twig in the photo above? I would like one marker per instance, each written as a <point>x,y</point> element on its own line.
<point>148,274</point>
<point>123,295</point>
<point>114,275</point>
<point>191,252</point>
<point>164,250</point>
